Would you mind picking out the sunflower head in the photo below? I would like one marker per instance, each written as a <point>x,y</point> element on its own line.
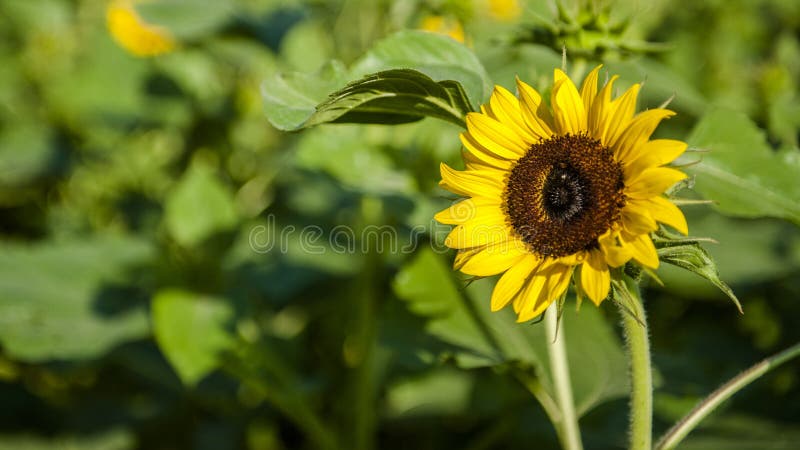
<point>559,193</point>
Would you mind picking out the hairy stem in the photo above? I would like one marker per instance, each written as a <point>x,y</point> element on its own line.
<point>569,434</point>
<point>634,323</point>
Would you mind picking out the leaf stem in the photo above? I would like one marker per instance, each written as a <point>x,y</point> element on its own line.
<point>634,323</point>
<point>570,434</point>
<point>675,435</point>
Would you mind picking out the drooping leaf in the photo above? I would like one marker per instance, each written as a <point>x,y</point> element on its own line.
<point>394,96</point>
<point>688,254</point>
<point>199,206</point>
<point>439,57</point>
<point>481,338</point>
<point>70,300</point>
<point>190,330</point>
<point>741,173</point>
<point>290,99</point>
<point>427,75</point>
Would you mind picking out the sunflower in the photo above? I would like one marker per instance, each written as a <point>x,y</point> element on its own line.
<point>561,193</point>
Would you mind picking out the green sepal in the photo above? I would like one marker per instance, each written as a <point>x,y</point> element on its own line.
<point>688,254</point>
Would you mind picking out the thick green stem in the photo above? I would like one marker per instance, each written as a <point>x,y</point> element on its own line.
<point>676,434</point>
<point>634,323</point>
<point>569,433</point>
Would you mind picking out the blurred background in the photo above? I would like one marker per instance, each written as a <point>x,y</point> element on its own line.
<point>159,288</point>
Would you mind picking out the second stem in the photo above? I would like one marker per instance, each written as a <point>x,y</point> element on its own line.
<point>569,433</point>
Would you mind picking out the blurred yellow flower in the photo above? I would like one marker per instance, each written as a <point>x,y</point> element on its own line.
<point>443,25</point>
<point>134,34</point>
<point>504,9</point>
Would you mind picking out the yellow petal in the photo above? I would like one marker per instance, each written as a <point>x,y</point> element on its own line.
<point>569,114</point>
<point>495,136</point>
<point>653,182</point>
<point>616,251</point>
<point>597,120</point>
<point>619,116</point>
<point>589,88</point>
<point>666,212</point>
<point>595,277</point>
<point>637,220</point>
<point>509,285</point>
<point>629,145</point>
<point>655,153</point>
<point>546,286</point>
<point>489,227</point>
<point>494,259</point>
<point>464,210</point>
<point>464,255</point>
<point>534,111</point>
<point>644,251</point>
<point>472,183</point>
<point>484,155</point>
<point>506,107</point>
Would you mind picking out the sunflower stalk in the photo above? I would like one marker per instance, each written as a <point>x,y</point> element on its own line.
<point>568,431</point>
<point>634,322</point>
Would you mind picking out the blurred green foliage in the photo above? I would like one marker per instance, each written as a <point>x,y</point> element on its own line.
<point>153,294</point>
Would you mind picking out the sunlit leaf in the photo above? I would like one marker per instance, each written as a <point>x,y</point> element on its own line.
<point>290,99</point>
<point>191,331</point>
<point>439,57</point>
<point>394,96</point>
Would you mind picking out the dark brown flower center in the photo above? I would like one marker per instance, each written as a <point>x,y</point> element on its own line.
<point>563,194</point>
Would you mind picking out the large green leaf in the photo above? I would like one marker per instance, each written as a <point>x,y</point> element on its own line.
<point>437,56</point>
<point>394,96</point>
<point>480,338</point>
<point>741,173</point>
<point>290,99</point>
<point>70,300</point>
<point>191,331</point>
<point>405,77</point>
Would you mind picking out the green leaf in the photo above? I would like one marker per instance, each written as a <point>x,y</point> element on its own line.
<point>198,207</point>
<point>70,300</point>
<point>480,338</point>
<point>191,331</point>
<point>290,99</point>
<point>687,254</point>
<point>741,173</point>
<point>394,96</point>
<point>441,78</point>
<point>437,56</point>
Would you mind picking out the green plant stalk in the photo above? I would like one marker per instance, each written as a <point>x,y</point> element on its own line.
<point>366,294</point>
<point>675,435</point>
<point>569,433</point>
<point>638,344</point>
